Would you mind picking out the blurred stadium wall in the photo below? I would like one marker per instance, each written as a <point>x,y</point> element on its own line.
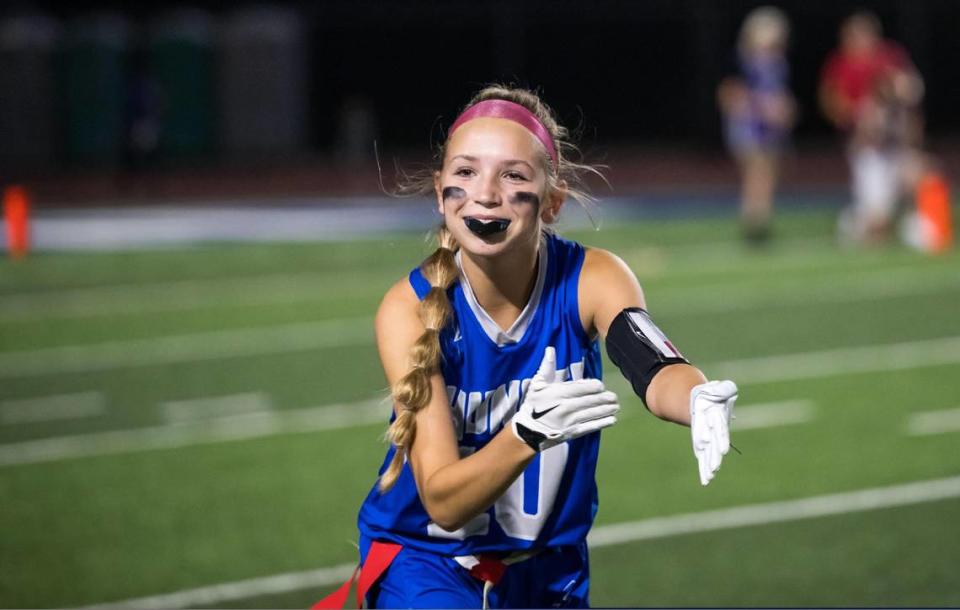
<point>107,103</point>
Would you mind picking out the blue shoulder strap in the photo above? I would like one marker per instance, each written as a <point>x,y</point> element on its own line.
<point>420,284</point>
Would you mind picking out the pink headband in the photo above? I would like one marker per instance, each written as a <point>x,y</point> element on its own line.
<point>503,109</point>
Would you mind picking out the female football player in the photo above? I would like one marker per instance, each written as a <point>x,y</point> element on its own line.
<point>758,111</point>
<point>491,347</point>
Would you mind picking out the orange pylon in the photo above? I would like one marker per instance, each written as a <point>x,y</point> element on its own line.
<point>933,207</point>
<point>16,213</point>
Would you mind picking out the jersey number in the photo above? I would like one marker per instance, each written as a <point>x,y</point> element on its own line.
<point>522,510</point>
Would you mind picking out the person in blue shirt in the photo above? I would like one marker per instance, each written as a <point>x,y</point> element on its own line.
<point>491,347</point>
<point>758,114</point>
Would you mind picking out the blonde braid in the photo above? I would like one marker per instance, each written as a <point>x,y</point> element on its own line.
<point>413,391</point>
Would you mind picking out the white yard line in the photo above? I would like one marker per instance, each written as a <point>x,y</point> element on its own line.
<point>213,345</point>
<point>205,597</point>
<point>772,414</point>
<point>620,533</point>
<point>343,332</point>
<point>776,512</point>
<point>185,295</point>
<point>934,422</point>
<point>786,367</point>
<point>203,432</point>
<point>203,427</point>
<point>52,408</point>
<point>214,407</point>
<point>841,361</point>
<point>279,289</point>
<point>847,288</point>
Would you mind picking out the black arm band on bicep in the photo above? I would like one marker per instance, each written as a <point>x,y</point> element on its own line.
<point>640,349</point>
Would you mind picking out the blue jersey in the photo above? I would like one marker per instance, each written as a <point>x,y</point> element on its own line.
<point>487,372</point>
<point>765,78</point>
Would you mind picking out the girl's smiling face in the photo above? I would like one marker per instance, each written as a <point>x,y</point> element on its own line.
<point>494,170</point>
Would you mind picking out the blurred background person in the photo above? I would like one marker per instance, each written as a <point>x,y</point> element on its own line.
<point>871,91</point>
<point>758,112</point>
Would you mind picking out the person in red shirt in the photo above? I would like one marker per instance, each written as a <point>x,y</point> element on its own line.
<point>870,90</point>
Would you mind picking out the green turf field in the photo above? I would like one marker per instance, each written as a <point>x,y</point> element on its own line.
<point>116,482</point>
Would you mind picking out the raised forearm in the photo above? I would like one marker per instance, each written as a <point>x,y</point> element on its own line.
<point>668,396</point>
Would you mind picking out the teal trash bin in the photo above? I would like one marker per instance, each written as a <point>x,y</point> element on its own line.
<point>94,64</point>
<point>181,63</point>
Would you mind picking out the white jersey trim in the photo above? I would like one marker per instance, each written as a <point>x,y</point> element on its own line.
<point>516,331</point>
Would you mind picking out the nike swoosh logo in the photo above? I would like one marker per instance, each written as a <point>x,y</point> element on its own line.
<point>539,414</point>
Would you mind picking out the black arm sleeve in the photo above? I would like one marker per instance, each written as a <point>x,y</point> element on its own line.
<point>639,349</point>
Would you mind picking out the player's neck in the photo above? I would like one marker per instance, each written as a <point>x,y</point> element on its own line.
<point>502,284</point>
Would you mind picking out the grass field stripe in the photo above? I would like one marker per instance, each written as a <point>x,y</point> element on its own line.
<point>602,536</point>
<point>776,512</point>
<point>772,414</point>
<point>258,424</point>
<point>133,299</point>
<point>359,331</point>
<point>721,257</point>
<point>138,299</point>
<point>654,263</point>
<point>807,365</point>
<point>203,432</point>
<point>211,407</point>
<point>51,408</point>
<point>841,289</point>
<point>841,361</point>
<point>194,347</point>
<point>242,589</point>
<point>19,302</point>
<point>934,422</point>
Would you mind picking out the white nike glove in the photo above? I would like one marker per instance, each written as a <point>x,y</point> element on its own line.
<point>555,411</point>
<point>711,407</point>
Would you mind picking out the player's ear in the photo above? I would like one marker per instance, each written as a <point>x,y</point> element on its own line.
<point>550,210</point>
<point>439,191</point>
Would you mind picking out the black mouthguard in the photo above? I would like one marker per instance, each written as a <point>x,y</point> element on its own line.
<point>483,228</point>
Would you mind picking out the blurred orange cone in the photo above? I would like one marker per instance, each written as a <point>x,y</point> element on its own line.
<point>933,208</point>
<point>16,213</point>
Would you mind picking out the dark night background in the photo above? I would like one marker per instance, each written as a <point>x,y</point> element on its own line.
<point>636,74</point>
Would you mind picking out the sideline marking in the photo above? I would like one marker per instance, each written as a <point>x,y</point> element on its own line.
<point>201,432</point>
<point>776,512</point>
<point>603,536</point>
<point>214,407</point>
<point>358,331</point>
<point>52,408</point>
<point>840,361</point>
<point>278,289</point>
<point>772,414</point>
<point>768,369</point>
<point>934,422</point>
<point>185,295</point>
<point>194,347</point>
<point>838,288</point>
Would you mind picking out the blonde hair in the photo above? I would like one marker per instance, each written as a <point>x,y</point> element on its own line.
<point>413,391</point>
<point>764,26</point>
<point>568,172</point>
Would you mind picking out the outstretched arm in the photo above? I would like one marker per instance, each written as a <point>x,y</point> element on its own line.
<point>607,287</point>
<point>612,304</point>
